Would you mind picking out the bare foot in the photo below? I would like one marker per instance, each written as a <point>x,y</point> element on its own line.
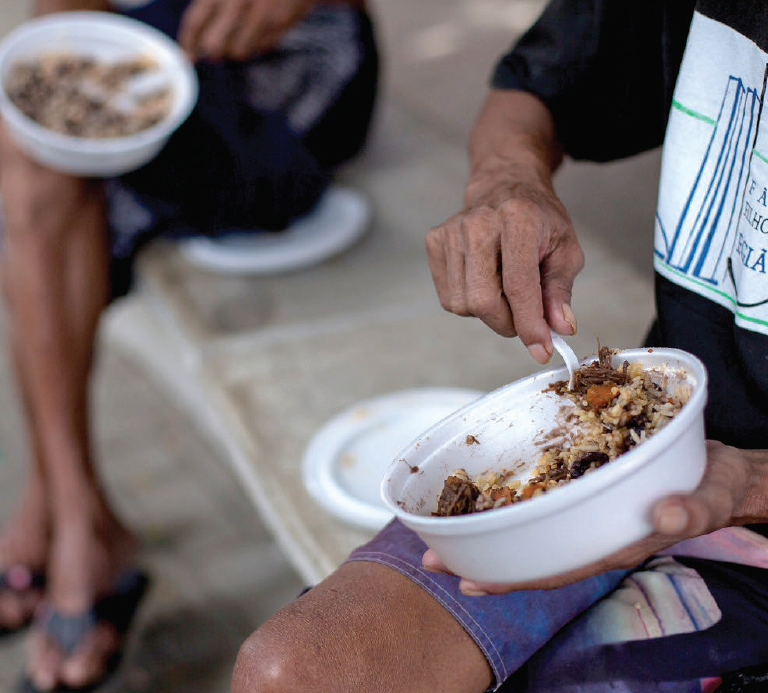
<point>23,548</point>
<point>83,565</point>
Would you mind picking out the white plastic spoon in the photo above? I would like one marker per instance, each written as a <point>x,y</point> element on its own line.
<point>140,87</point>
<point>568,356</point>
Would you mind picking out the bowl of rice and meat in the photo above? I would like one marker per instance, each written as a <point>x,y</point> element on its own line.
<point>93,93</point>
<point>535,479</point>
<point>80,96</point>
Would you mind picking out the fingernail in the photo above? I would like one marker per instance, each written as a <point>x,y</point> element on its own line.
<point>569,317</point>
<point>471,592</point>
<point>672,520</point>
<point>429,569</point>
<point>539,353</point>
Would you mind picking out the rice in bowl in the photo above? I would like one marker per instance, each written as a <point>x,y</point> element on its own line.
<point>613,409</point>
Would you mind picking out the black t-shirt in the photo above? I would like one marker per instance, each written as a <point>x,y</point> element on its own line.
<point>605,68</point>
<point>623,76</point>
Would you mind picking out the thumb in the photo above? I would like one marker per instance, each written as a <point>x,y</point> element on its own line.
<point>671,518</point>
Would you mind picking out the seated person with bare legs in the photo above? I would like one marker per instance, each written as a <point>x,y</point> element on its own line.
<point>287,89</point>
<point>684,609</point>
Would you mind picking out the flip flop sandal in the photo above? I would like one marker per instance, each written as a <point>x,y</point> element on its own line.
<point>19,579</point>
<point>68,631</point>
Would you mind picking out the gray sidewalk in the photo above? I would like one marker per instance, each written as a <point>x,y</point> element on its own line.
<point>218,571</point>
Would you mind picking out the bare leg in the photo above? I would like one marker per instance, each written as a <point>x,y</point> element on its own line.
<point>55,274</point>
<point>25,538</point>
<point>368,629</point>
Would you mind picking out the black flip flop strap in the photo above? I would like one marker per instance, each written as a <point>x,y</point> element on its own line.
<point>116,609</point>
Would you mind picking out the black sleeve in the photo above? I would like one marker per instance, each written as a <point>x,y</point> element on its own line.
<point>605,68</point>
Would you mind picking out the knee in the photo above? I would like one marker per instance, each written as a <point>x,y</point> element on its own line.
<point>38,200</point>
<point>265,665</point>
<point>39,204</point>
<point>297,651</point>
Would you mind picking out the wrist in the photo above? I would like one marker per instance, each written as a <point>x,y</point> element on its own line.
<point>513,144</point>
<point>498,178</point>
<point>754,506</point>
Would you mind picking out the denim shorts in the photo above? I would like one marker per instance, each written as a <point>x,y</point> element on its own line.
<point>677,623</point>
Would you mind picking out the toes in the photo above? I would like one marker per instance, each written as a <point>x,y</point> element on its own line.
<point>48,666</point>
<point>17,608</point>
<point>44,661</point>
<point>89,662</point>
<point>29,601</point>
<point>19,596</point>
<point>12,612</point>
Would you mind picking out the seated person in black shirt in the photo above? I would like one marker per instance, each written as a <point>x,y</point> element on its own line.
<point>681,609</point>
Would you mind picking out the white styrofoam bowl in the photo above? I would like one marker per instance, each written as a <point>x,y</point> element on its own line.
<point>104,36</point>
<point>569,526</point>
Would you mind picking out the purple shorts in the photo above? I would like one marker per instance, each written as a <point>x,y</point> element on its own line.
<point>678,623</point>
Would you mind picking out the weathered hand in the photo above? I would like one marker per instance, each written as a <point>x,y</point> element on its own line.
<point>731,493</point>
<point>237,29</point>
<point>509,258</point>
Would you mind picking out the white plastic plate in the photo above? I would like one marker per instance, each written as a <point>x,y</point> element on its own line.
<point>340,218</point>
<point>345,461</point>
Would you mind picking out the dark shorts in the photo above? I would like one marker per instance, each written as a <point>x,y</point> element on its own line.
<point>263,141</point>
<point>677,623</point>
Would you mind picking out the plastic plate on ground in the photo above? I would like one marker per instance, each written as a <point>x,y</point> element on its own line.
<point>345,460</point>
<point>339,218</point>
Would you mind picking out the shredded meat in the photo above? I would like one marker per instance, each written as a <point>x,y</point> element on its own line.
<point>600,372</point>
<point>457,497</point>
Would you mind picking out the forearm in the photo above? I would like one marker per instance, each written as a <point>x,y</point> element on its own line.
<point>40,7</point>
<point>514,140</point>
